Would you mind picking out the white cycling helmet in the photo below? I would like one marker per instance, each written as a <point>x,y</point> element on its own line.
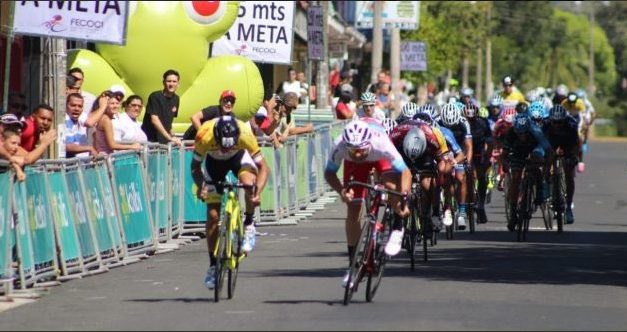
<point>451,114</point>
<point>430,110</point>
<point>357,134</point>
<point>467,92</point>
<point>407,111</point>
<point>368,98</point>
<point>414,143</point>
<point>389,125</point>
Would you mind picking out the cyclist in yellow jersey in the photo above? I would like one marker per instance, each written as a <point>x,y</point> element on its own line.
<point>227,144</point>
<point>574,106</point>
<point>510,92</point>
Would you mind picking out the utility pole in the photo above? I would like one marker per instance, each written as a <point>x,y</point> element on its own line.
<point>377,40</point>
<point>488,57</point>
<point>395,65</point>
<point>322,79</point>
<point>591,85</point>
<point>7,59</point>
<point>478,90</point>
<point>54,75</point>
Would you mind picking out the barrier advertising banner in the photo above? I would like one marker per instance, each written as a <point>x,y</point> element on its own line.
<point>95,21</point>
<point>5,221</point>
<point>262,32</point>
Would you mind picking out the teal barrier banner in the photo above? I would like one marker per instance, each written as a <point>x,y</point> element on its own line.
<point>132,199</point>
<point>290,160</point>
<point>23,235</point>
<point>175,184</point>
<point>97,208</point>
<point>63,216</point>
<point>194,209</point>
<point>312,161</point>
<point>40,221</point>
<point>111,217</point>
<point>5,219</point>
<point>302,176</point>
<point>78,204</point>
<point>282,181</point>
<point>156,170</point>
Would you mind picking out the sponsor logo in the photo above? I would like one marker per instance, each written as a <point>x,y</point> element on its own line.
<point>55,24</point>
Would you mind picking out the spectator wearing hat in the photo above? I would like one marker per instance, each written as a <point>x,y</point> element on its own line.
<point>510,92</point>
<point>20,156</point>
<point>104,137</point>
<point>345,108</point>
<point>224,107</point>
<point>11,144</point>
<point>161,109</point>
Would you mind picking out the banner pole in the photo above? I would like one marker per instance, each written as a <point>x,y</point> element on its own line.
<point>7,59</point>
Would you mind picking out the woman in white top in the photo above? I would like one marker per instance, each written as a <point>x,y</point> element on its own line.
<point>104,140</point>
<point>126,128</point>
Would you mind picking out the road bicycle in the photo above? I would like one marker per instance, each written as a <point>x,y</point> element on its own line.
<point>557,204</point>
<point>228,249</point>
<point>418,223</point>
<point>369,257</point>
<point>526,198</point>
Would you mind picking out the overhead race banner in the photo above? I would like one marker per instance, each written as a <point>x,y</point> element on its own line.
<point>396,14</point>
<point>315,43</point>
<point>413,56</point>
<point>262,32</point>
<point>94,21</point>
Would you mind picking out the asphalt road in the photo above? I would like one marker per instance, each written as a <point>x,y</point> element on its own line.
<point>485,281</point>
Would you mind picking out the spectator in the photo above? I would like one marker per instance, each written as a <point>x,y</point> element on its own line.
<point>35,125</point>
<point>104,140</point>
<point>77,122</point>
<point>290,85</point>
<point>334,76</point>
<point>17,104</point>
<point>126,128</point>
<point>77,78</point>
<point>267,117</point>
<point>287,126</point>
<point>225,107</point>
<point>162,108</point>
<point>384,99</point>
<point>346,78</point>
<point>23,157</point>
<point>345,108</point>
<point>11,143</point>
<point>304,87</point>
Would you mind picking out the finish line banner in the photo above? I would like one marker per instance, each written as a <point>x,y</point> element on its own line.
<point>262,32</point>
<point>94,21</point>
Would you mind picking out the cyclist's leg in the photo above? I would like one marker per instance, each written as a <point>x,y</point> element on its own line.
<point>460,176</point>
<point>398,182</point>
<point>481,169</point>
<point>359,172</point>
<point>570,162</point>
<point>516,165</point>
<point>246,172</point>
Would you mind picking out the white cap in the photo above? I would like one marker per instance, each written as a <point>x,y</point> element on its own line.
<point>261,112</point>
<point>117,88</point>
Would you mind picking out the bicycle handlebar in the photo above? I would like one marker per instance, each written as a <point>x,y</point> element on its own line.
<point>377,188</point>
<point>232,185</point>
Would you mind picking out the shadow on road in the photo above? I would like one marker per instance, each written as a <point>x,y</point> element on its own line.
<point>176,299</point>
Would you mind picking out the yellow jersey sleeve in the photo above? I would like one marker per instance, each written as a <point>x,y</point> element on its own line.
<point>248,140</point>
<point>515,96</point>
<point>204,141</point>
<point>441,140</point>
<point>576,108</point>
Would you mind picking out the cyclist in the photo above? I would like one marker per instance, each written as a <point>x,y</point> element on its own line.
<point>510,92</point>
<point>588,117</point>
<point>561,91</point>
<point>368,111</point>
<point>494,109</point>
<point>537,113</point>
<point>501,128</point>
<point>561,131</point>
<point>574,106</point>
<point>481,151</point>
<point>364,146</point>
<point>227,144</point>
<point>522,141</point>
<point>466,97</point>
<point>388,125</point>
<point>407,112</point>
<point>453,119</point>
<point>425,151</point>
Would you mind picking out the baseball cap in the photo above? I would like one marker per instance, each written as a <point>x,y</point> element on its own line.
<point>261,112</point>
<point>10,119</point>
<point>507,80</point>
<point>227,93</point>
<point>116,88</point>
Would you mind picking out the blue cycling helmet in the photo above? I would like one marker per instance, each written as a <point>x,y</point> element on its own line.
<point>536,110</point>
<point>522,123</point>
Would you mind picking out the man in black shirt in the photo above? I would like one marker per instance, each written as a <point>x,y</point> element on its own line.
<point>161,109</point>
<point>227,102</point>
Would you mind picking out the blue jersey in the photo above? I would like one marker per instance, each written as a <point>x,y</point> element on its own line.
<point>450,140</point>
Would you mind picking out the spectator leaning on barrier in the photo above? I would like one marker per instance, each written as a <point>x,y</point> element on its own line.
<point>345,108</point>
<point>161,109</point>
<point>23,157</point>
<point>267,117</point>
<point>77,122</point>
<point>11,144</point>
<point>104,140</point>
<point>224,107</point>
<point>36,125</point>
<point>287,125</point>
<point>126,128</point>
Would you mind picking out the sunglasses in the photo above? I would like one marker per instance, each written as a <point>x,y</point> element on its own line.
<point>228,100</point>
<point>353,151</point>
<point>17,105</point>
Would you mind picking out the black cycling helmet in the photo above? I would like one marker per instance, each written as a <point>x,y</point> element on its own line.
<point>521,108</point>
<point>226,132</point>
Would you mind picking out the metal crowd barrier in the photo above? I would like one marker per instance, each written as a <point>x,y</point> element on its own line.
<point>79,216</point>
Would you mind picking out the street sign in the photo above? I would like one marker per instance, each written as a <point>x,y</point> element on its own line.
<point>315,40</point>
<point>396,14</point>
<point>413,56</point>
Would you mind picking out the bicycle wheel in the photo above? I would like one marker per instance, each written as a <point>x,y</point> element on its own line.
<point>525,207</point>
<point>220,268</point>
<point>423,220</point>
<point>508,209</point>
<point>471,202</point>
<point>360,256</point>
<point>411,234</point>
<point>379,257</point>
<point>236,251</point>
